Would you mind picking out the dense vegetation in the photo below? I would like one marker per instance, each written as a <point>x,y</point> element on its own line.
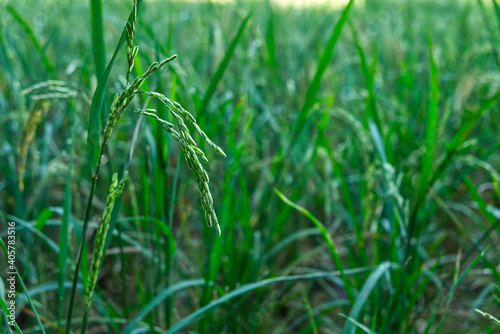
<point>360,192</point>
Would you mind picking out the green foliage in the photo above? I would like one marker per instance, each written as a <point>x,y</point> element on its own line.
<point>378,120</point>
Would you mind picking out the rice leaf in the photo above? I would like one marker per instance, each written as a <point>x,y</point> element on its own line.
<point>98,45</point>
<point>315,84</point>
<point>158,298</point>
<point>221,68</point>
<point>249,287</point>
<point>20,280</point>
<point>326,236</point>
<point>63,234</point>
<point>93,135</point>
<point>314,327</point>
<point>363,295</point>
<point>6,310</point>
<point>34,39</point>
<point>432,118</point>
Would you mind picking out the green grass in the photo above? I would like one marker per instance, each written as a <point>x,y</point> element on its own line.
<point>377,123</point>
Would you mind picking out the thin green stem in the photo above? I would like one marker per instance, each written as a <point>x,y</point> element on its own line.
<point>84,232</point>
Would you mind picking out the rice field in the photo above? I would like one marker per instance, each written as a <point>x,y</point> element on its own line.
<point>249,167</point>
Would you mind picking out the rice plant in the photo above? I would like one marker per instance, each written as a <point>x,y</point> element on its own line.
<point>119,106</point>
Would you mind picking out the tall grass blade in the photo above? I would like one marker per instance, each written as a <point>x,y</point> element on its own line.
<point>63,234</point>
<point>497,10</point>
<point>34,39</point>
<point>483,208</point>
<point>467,126</point>
<point>369,76</point>
<point>315,84</point>
<point>158,298</point>
<point>93,136</point>
<point>326,236</point>
<point>363,295</point>
<point>98,45</point>
<point>222,68</point>
<point>459,138</point>
<point>358,324</point>
<point>251,287</point>
<point>314,327</point>
<point>493,39</point>
<point>20,280</point>
<point>450,293</point>
<point>270,40</point>
<point>31,227</point>
<point>6,310</point>
<point>430,139</point>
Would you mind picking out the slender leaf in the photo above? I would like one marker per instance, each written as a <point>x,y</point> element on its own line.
<point>98,44</point>
<point>326,236</point>
<point>315,84</point>
<point>253,286</point>
<point>98,100</point>
<point>158,298</point>
<point>363,295</point>
<point>222,68</point>
<point>20,280</point>
<point>430,139</point>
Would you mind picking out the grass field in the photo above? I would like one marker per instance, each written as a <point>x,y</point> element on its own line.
<point>353,167</point>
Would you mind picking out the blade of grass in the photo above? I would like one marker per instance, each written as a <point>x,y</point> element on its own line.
<point>450,293</point>
<point>221,69</point>
<point>488,316</point>
<point>34,39</point>
<point>291,328</point>
<point>489,28</point>
<point>270,40</point>
<point>328,239</point>
<point>297,235</point>
<point>497,10</point>
<point>63,234</point>
<point>369,76</point>
<point>309,312</point>
<point>483,207</point>
<point>425,180</point>
<point>467,127</point>
<point>31,227</point>
<point>96,106</point>
<point>430,139</point>
<point>170,245</point>
<point>325,59</point>
<point>98,46</point>
<point>363,295</point>
<point>20,280</point>
<point>158,298</point>
<point>358,324</point>
<point>461,136</point>
<point>13,321</point>
<point>246,288</point>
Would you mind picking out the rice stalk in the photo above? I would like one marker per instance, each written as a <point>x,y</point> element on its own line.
<point>118,108</point>
<point>120,103</point>
<point>115,191</point>
<point>192,153</point>
<point>132,49</point>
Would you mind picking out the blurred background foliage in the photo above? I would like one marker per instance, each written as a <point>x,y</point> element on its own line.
<point>354,159</point>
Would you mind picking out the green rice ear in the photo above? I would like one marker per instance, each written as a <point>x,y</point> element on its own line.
<point>115,190</point>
